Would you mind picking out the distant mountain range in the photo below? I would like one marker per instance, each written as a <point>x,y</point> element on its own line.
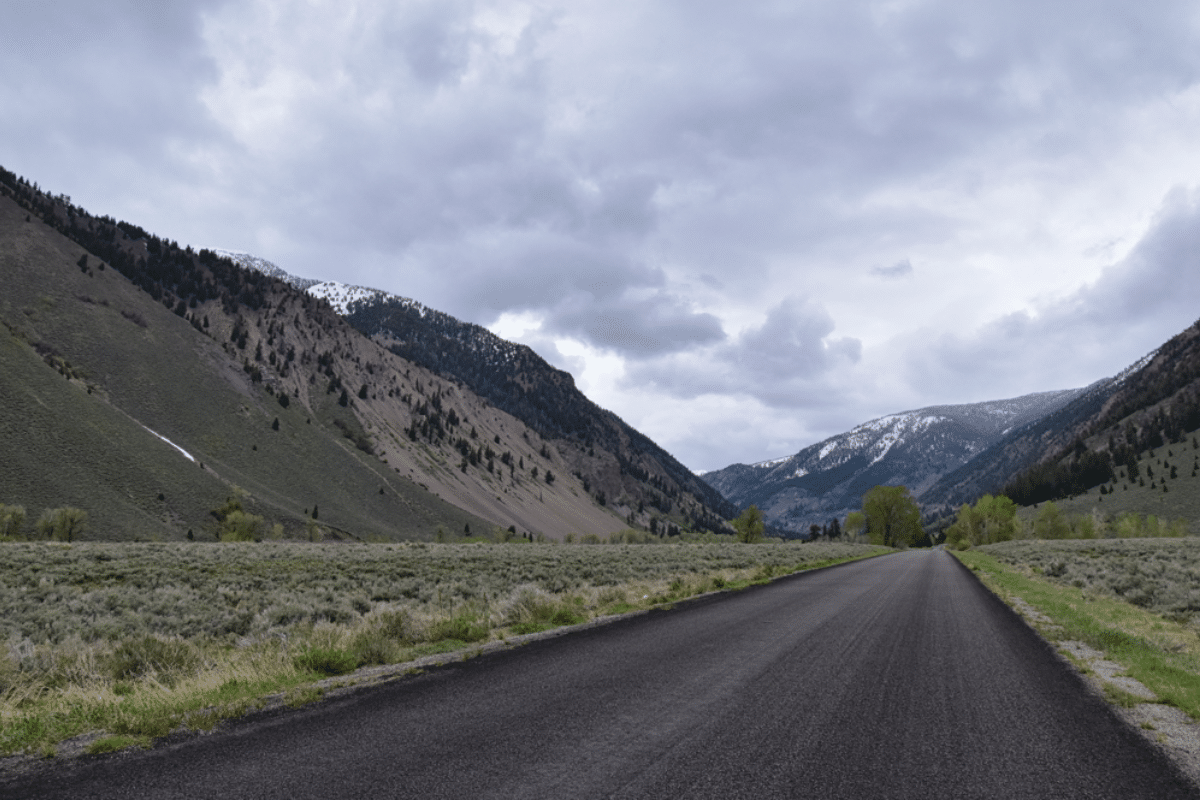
<point>1038,447</point>
<point>913,448</point>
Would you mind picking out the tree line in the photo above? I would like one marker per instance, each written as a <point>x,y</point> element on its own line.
<point>64,524</point>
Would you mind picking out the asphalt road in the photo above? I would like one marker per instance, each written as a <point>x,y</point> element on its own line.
<point>897,677</point>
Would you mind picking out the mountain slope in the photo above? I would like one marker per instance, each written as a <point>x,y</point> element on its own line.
<point>126,365</point>
<point>618,462</point>
<point>1154,402</point>
<point>273,395</point>
<point>914,448</point>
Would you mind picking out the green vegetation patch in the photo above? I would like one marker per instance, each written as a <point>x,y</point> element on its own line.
<point>1163,654</point>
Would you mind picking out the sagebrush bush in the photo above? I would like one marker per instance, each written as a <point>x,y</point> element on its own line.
<point>464,626</point>
<point>371,647</point>
<point>167,660</point>
<point>326,661</point>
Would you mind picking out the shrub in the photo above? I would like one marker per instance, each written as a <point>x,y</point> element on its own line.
<point>10,673</point>
<point>463,627</point>
<point>765,573</point>
<point>166,659</point>
<point>532,609</point>
<point>372,647</point>
<point>395,625</point>
<point>62,524</point>
<point>238,526</point>
<point>1049,524</point>
<point>12,522</point>
<point>326,661</point>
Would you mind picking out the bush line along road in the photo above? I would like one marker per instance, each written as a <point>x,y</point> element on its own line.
<point>898,676</point>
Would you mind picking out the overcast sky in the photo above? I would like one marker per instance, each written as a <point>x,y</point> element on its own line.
<point>744,227</point>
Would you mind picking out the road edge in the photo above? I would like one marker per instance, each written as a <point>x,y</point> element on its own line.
<point>1168,729</point>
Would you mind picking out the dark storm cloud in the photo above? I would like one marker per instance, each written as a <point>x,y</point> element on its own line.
<point>636,327</point>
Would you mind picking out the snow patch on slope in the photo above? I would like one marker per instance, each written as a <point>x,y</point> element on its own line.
<point>1136,366</point>
<point>186,454</point>
<point>342,296</point>
<point>775,462</point>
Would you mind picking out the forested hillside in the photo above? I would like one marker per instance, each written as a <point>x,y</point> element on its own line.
<point>522,383</point>
<point>1157,405</point>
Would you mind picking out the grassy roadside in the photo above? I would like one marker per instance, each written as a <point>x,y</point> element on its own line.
<point>1161,654</point>
<point>142,687</point>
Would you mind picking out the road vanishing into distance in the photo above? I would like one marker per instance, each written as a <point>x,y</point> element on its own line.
<point>896,677</point>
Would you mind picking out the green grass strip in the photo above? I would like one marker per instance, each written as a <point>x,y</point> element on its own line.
<point>1163,655</point>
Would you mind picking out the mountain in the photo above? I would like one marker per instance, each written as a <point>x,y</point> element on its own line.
<point>914,448</point>
<point>149,383</point>
<point>647,481</point>
<point>1101,433</point>
<point>1050,446</point>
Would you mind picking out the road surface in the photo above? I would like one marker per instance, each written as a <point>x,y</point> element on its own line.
<point>896,677</point>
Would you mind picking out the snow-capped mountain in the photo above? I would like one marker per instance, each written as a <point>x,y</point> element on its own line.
<point>913,448</point>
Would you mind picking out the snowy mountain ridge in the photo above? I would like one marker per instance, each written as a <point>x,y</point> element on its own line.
<point>912,448</point>
<point>342,296</point>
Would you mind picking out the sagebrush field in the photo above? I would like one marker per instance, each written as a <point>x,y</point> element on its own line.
<point>1160,575</point>
<point>137,639</point>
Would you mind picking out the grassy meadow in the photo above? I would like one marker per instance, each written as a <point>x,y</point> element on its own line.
<point>136,640</point>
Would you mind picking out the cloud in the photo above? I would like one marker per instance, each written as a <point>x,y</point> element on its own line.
<point>1131,308</point>
<point>636,327</point>
<point>786,361</point>
<point>901,269</point>
<point>661,182</point>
